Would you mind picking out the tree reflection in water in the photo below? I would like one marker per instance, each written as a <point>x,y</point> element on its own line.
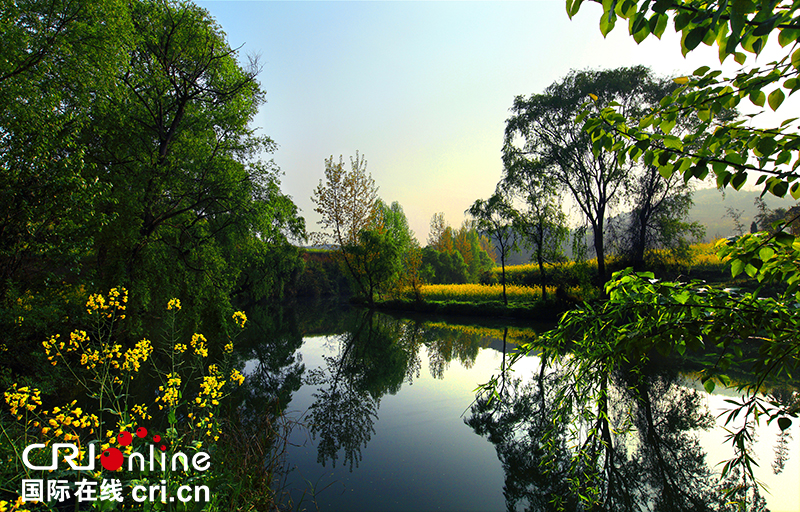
<point>376,355</point>
<point>624,442</point>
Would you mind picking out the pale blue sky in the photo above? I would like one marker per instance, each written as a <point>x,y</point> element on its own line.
<point>422,89</point>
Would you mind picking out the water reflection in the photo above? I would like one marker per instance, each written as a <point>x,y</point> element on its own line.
<point>375,356</point>
<point>627,445</point>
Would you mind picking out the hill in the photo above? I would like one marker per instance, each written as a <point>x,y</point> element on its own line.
<point>710,207</point>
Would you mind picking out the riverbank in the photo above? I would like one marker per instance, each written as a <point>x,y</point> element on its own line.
<point>523,310</point>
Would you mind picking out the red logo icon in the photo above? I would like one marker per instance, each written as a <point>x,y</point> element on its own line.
<point>112,458</point>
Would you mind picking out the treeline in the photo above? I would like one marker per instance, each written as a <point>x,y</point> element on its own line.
<point>127,158</point>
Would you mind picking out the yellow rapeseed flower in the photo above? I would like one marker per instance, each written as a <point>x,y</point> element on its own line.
<point>174,304</point>
<point>240,318</point>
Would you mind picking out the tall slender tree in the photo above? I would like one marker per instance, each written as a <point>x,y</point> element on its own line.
<point>495,217</point>
<point>542,223</point>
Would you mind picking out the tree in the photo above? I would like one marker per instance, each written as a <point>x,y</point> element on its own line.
<point>172,141</point>
<point>128,157</point>
<point>58,56</point>
<point>644,315</point>
<point>765,218</point>
<point>347,202</point>
<point>567,155</point>
<point>495,217</point>
<point>658,217</point>
<point>444,241</point>
<point>542,224</point>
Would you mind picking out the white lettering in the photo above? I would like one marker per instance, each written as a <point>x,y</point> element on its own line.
<point>137,495</point>
<point>200,461</point>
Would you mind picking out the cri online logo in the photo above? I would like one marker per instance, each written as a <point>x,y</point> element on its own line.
<point>112,458</point>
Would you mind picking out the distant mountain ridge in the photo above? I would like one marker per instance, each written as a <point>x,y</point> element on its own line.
<point>710,206</point>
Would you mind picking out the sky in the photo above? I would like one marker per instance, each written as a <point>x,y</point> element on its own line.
<point>421,89</point>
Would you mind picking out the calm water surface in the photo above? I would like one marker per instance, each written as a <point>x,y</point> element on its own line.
<point>386,404</point>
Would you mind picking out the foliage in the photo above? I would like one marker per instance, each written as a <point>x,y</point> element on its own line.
<point>474,248</point>
<point>496,217</point>
<point>373,261</point>
<point>728,327</point>
<point>186,398</point>
<point>57,56</point>
<point>441,267</point>
<point>128,157</point>
<point>542,224</point>
<point>542,133</point>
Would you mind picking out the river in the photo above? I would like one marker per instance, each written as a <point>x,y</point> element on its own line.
<point>386,419</point>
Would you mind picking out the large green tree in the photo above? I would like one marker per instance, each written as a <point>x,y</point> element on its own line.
<point>173,143</point>
<point>58,56</point>
<point>542,129</point>
<point>128,158</point>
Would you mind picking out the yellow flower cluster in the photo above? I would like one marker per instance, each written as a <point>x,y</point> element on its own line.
<point>91,357</point>
<point>174,304</point>
<point>171,393</point>
<point>116,301</point>
<point>15,506</point>
<point>210,391</point>
<point>69,418</point>
<point>199,345</point>
<point>134,357</point>
<point>229,347</point>
<point>209,397</point>
<point>180,347</point>
<point>236,376</point>
<point>22,399</point>
<point>141,411</point>
<point>240,318</point>
<point>52,346</point>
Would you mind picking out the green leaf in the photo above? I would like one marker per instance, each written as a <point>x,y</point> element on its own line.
<point>784,423</point>
<point>738,180</point>
<point>572,7</point>
<point>788,36</point>
<point>661,25</point>
<point>796,59</point>
<point>673,142</point>
<point>779,188</point>
<point>783,238</point>
<point>702,70</point>
<point>795,191</point>
<point>737,266</point>
<point>709,386</point>
<point>694,38</point>
<point>758,97</point>
<point>766,253</point>
<point>607,22</point>
<point>775,99</point>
